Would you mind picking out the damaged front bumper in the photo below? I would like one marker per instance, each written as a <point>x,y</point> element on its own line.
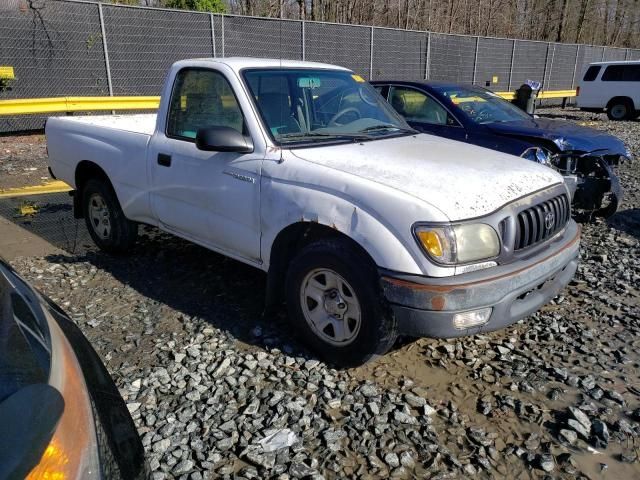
<point>591,179</point>
<point>427,306</point>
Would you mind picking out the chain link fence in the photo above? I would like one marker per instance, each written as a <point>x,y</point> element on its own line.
<point>78,48</point>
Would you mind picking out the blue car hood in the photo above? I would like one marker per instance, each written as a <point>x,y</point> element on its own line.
<point>566,135</point>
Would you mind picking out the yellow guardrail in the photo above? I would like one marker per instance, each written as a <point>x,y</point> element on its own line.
<point>22,106</point>
<point>556,94</point>
<point>542,94</point>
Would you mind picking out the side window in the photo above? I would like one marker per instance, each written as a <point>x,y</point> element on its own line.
<point>622,73</point>
<point>200,99</point>
<point>416,106</point>
<point>591,73</point>
<point>613,73</point>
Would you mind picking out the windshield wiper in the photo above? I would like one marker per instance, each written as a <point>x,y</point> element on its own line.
<point>320,136</point>
<point>386,126</point>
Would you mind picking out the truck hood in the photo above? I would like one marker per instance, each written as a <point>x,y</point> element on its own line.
<point>461,180</point>
<point>566,135</point>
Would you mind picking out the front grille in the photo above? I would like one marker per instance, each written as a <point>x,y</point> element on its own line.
<point>536,224</point>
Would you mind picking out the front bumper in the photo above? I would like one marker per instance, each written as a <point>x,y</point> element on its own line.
<point>425,306</point>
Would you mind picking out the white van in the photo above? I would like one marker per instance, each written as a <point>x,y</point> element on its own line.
<point>614,86</point>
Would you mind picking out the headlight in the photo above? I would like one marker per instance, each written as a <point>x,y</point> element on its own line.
<point>537,154</point>
<point>454,244</point>
<point>73,450</point>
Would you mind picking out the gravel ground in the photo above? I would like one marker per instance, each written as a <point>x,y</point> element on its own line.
<point>214,387</point>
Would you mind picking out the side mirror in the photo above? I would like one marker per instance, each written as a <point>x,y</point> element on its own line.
<point>223,139</point>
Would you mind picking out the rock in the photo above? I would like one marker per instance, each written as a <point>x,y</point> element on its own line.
<point>414,400</point>
<point>405,418</point>
<point>392,460</point>
<point>333,435</point>
<point>311,364</point>
<point>428,410</point>
<point>547,463</point>
<point>183,467</point>
<point>579,428</point>
<point>252,408</point>
<point>368,391</point>
<point>300,470</point>
<point>222,367</point>
<point>161,446</point>
<point>600,434</point>
<point>569,436</point>
<point>628,457</point>
<point>615,396</point>
<point>581,417</point>
<point>406,460</point>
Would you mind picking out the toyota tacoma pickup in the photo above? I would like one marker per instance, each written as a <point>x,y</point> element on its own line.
<point>366,228</point>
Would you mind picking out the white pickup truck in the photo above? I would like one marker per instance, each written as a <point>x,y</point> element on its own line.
<point>366,228</point>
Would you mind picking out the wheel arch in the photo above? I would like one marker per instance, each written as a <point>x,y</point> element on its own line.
<point>288,242</point>
<point>86,170</point>
<point>621,98</point>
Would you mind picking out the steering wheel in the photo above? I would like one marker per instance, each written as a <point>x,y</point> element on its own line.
<point>343,112</point>
<point>482,114</point>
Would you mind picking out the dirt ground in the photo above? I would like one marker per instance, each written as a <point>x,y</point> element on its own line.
<point>23,161</point>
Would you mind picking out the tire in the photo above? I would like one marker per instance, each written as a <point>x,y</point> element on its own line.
<point>621,109</point>
<point>107,225</point>
<point>359,323</point>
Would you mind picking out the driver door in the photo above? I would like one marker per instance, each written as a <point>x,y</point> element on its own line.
<point>425,113</point>
<point>209,197</point>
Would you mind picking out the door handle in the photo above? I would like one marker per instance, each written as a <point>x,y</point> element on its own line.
<point>164,160</point>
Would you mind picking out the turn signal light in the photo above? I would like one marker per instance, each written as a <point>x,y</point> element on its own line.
<point>431,241</point>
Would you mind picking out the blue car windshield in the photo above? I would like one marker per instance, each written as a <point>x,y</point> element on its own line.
<point>318,105</point>
<point>482,106</point>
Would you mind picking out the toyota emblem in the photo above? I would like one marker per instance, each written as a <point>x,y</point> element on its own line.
<point>549,220</point>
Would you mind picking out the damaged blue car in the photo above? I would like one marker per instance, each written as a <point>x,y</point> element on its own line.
<point>584,156</point>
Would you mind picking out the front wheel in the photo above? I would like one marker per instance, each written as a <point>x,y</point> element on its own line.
<point>335,303</point>
<point>107,225</point>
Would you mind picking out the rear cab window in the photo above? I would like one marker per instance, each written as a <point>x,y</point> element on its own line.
<point>591,73</point>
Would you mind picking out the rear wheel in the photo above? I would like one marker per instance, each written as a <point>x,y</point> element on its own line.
<point>335,303</point>
<point>107,225</point>
<point>621,109</point>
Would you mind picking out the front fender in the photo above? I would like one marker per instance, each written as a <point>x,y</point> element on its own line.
<point>289,204</point>
<point>384,232</point>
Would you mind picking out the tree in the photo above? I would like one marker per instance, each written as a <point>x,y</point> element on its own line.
<point>214,6</point>
<point>603,22</point>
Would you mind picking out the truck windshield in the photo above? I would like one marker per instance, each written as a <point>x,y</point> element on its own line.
<point>482,106</point>
<point>307,105</point>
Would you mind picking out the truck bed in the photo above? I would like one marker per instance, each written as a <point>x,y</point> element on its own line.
<point>144,123</point>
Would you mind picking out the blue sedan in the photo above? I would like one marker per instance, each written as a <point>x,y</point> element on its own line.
<point>471,114</point>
